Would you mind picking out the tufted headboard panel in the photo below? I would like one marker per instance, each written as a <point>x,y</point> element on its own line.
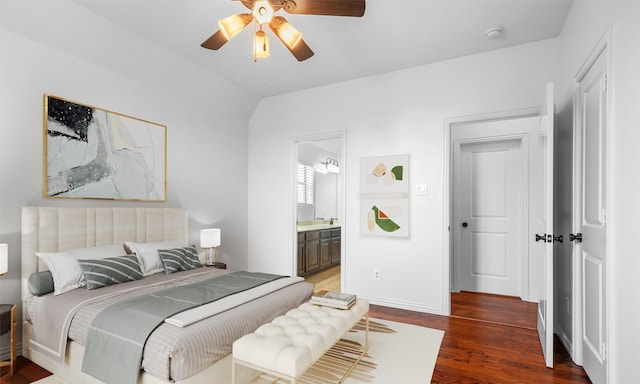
<point>53,229</point>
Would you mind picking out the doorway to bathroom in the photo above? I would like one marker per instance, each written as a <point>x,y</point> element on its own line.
<point>318,200</point>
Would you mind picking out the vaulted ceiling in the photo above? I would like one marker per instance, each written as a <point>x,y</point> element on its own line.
<point>392,35</point>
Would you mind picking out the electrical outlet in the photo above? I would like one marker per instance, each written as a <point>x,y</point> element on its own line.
<point>376,274</point>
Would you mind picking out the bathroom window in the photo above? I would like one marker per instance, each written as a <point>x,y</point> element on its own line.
<point>306,178</point>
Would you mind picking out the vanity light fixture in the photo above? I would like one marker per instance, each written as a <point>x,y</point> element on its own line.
<point>332,165</point>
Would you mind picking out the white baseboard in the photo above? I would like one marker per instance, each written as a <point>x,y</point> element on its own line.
<point>403,305</point>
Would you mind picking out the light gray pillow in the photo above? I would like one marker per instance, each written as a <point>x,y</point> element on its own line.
<point>111,270</point>
<point>64,267</point>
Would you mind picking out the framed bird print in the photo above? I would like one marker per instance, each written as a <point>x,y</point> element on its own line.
<point>384,217</point>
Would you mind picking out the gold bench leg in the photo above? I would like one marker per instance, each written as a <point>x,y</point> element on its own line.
<point>364,351</point>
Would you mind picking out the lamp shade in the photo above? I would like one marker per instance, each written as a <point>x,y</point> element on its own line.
<point>4,258</point>
<point>210,237</point>
<point>286,32</point>
<point>260,46</point>
<point>234,24</point>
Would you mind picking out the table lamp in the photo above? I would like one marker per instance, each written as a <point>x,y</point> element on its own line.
<point>210,238</point>
<point>4,258</point>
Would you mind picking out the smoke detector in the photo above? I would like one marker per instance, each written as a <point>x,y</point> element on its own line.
<point>493,33</point>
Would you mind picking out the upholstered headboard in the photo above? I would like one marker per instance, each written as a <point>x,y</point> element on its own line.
<point>53,229</point>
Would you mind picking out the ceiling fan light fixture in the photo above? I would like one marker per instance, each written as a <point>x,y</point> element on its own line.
<point>286,32</point>
<point>260,46</point>
<point>262,11</point>
<point>234,24</point>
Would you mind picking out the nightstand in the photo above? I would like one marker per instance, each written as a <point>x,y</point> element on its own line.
<point>218,265</point>
<point>8,324</point>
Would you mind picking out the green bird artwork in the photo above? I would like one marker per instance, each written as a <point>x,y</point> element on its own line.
<point>379,218</point>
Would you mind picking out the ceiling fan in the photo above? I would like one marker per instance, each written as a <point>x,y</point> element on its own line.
<point>262,11</point>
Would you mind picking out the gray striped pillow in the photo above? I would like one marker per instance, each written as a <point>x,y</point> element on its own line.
<point>172,260</point>
<point>111,270</point>
<point>191,257</point>
<point>179,259</point>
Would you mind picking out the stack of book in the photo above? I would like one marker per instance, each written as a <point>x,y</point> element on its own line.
<point>338,300</point>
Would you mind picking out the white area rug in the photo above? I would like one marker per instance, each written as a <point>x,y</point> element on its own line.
<point>398,353</point>
<point>49,380</point>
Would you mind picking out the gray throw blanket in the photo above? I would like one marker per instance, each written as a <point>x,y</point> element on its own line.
<point>116,338</point>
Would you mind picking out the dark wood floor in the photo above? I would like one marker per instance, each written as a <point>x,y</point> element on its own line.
<point>488,339</point>
<point>482,346</point>
<point>506,310</point>
<point>26,372</point>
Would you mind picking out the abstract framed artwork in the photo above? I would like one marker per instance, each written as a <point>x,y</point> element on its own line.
<point>384,174</point>
<point>384,217</point>
<point>93,153</point>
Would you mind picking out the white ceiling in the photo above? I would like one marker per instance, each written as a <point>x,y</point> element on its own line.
<point>392,35</point>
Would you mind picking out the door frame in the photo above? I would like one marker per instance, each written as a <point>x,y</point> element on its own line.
<point>604,44</point>
<point>294,141</point>
<point>449,123</point>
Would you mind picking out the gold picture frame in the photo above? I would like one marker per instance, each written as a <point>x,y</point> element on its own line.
<point>93,153</point>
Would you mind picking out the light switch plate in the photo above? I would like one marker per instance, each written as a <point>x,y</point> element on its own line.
<point>421,189</point>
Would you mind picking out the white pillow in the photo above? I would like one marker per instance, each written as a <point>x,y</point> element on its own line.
<point>65,269</point>
<point>147,254</point>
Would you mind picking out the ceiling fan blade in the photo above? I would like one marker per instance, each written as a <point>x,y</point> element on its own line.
<point>216,41</point>
<point>353,8</point>
<point>291,38</point>
<point>229,27</point>
<point>301,51</point>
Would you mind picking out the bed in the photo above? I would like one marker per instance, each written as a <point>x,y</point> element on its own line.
<point>171,353</point>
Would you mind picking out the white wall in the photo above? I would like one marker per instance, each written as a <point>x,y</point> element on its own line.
<point>585,26</point>
<point>206,119</point>
<point>393,113</point>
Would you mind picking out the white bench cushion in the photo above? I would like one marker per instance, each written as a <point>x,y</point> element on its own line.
<point>290,343</point>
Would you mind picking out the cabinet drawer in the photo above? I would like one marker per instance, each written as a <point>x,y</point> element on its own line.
<point>336,232</point>
<point>312,235</point>
<point>300,237</point>
<point>325,234</point>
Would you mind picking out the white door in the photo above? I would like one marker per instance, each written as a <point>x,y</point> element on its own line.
<point>544,237</point>
<point>489,212</point>
<point>590,173</point>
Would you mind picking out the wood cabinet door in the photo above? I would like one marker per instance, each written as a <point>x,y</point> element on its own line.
<point>312,256</point>
<point>300,263</point>
<point>325,253</point>
<point>335,251</point>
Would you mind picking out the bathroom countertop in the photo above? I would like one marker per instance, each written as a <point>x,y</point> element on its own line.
<point>314,227</point>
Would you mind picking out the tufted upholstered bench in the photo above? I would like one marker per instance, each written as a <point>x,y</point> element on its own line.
<point>290,344</point>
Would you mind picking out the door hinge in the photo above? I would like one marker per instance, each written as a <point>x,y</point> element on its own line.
<point>603,217</point>
<point>604,351</point>
<point>604,83</point>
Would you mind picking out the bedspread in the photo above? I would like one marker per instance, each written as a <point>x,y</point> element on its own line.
<point>171,353</point>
